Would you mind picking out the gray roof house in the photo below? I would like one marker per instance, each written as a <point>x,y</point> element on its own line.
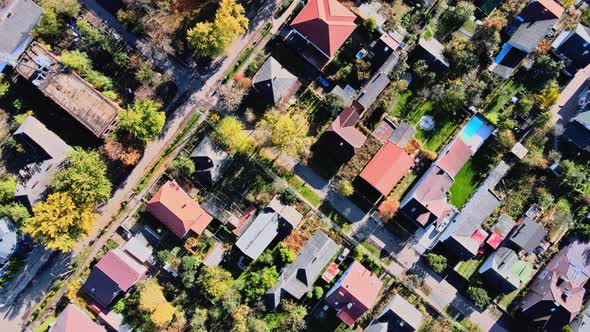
<point>209,160</point>
<point>46,151</point>
<point>17,20</point>
<point>379,81</point>
<point>462,235</point>
<point>275,83</point>
<point>275,219</point>
<point>399,315</point>
<point>298,277</point>
<point>8,236</point>
<point>527,235</point>
<point>139,248</point>
<point>505,271</point>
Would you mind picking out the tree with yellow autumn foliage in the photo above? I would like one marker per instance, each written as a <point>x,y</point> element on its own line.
<point>286,132</point>
<point>213,38</point>
<point>152,301</point>
<point>58,223</point>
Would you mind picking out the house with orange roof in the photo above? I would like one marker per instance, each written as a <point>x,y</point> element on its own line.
<point>354,294</point>
<point>174,208</point>
<point>73,319</point>
<point>320,29</point>
<point>386,169</point>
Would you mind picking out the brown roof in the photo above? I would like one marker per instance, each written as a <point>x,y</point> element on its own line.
<point>344,126</point>
<point>73,319</point>
<point>80,99</point>
<point>178,211</point>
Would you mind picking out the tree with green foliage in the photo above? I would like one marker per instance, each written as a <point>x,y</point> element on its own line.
<point>214,281</point>
<point>345,188</point>
<point>567,328</point>
<point>214,38</point>
<point>7,188</point>
<point>370,23</point>
<point>544,70</point>
<point>84,178</point>
<point>454,17</point>
<point>485,42</point>
<point>438,263</point>
<point>58,223</point>
<point>15,212</point>
<point>452,100</point>
<point>4,86</point>
<point>229,133</point>
<point>286,255</point>
<point>575,177</point>
<point>199,320</point>
<point>332,104</point>
<point>479,296</point>
<point>143,120</point>
<point>49,26</point>
<point>188,269</point>
<point>422,72</point>
<point>318,292</point>
<point>182,165</point>
<point>76,60</point>
<point>257,282</point>
<point>585,18</point>
<point>295,317</point>
<point>63,7</point>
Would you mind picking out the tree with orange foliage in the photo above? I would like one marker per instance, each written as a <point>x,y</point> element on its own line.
<point>388,209</point>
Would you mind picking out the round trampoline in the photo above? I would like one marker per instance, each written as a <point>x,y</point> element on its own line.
<point>427,122</point>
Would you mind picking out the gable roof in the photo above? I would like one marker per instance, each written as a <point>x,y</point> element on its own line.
<point>17,20</point>
<point>139,248</point>
<point>326,24</point>
<point>435,49</point>
<point>543,8</point>
<point>529,34</point>
<point>266,227</point>
<point>214,255</point>
<point>562,280</point>
<point>209,158</point>
<point>505,263</point>
<point>73,319</point>
<point>43,138</point>
<point>298,277</point>
<point>173,207</point>
<point>273,81</point>
<point>344,126</point>
<point>387,167</point>
<point>527,235</point>
<point>397,312</point>
<point>116,272</point>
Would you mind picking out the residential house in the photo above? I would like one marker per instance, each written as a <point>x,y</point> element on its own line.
<point>214,256</point>
<point>578,131</point>
<point>354,293</point>
<point>274,83</point>
<point>174,208</point>
<point>530,27</point>
<point>555,297</point>
<point>573,47</point>
<point>500,231</point>
<point>298,277</point>
<point>432,51</point>
<point>504,271</point>
<point>74,319</point>
<point>8,242</point>
<point>385,170</point>
<point>399,315</point>
<point>527,235</point>
<point>582,322</point>
<point>339,143</point>
<point>276,219</point>
<point>464,235</point>
<point>17,20</point>
<point>382,48</point>
<point>320,28</point>
<point>426,203</point>
<point>45,153</point>
<point>209,160</point>
<point>378,82</point>
<point>70,91</point>
<point>575,99</point>
<point>113,275</point>
<point>346,94</point>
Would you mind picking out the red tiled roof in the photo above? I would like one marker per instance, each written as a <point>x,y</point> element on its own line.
<point>455,157</point>
<point>325,23</point>
<point>553,7</point>
<point>178,211</point>
<point>73,319</point>
<point>387,167</point>
<point>494,240</point>
<point>356,294</point>
<point>344,126</point>
<point>479,236</point>
<point>121,269</point>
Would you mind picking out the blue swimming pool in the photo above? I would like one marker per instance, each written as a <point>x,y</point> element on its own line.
<point>477,126</point>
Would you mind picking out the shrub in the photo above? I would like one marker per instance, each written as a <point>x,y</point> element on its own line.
<point>437,263</point>
<point>345,188</point>
<point>388,209</point>
<point>318,292</point>
<point>479,296</point>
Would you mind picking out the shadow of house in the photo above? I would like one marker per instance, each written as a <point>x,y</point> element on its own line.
<point>46,153</point>
<point>209,160</point>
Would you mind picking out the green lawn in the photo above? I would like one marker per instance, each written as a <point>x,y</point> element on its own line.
<point>402,102</point>
<point>304,190</point>
<point>334,215</point>
<point>507,299</point>
<point>467,268</point>
<point>465,183</point>
<point>434,139</point>
<point>499,98</point>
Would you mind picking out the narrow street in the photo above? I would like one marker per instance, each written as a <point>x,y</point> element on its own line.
<point>202,89</point>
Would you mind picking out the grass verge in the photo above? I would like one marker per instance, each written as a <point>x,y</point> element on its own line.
<point>304,190</point>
